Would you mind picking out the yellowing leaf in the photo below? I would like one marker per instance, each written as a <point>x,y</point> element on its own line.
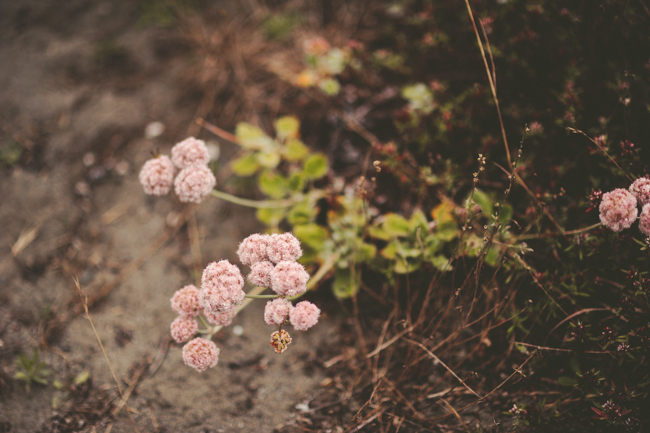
<point>287,127</point>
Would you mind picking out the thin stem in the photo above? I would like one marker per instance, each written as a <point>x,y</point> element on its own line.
<point>268,204</point>
<point>490,80</point>
<point>262,296</point>
<point>217,131</point>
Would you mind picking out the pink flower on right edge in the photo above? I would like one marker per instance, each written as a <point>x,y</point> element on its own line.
<point>304,315</point>
<point>640,188</point>
<point>618,209</point>
<point>200,354</point>
<point>157,176</point>
<point>644,220</point>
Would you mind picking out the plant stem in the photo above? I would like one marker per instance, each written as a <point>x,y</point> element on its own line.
<point>262,296</point>
<point>274,204</point>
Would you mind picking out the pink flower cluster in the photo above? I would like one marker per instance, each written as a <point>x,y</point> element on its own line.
<point>618,208</point>
<point>221,288</point>
<point>194,181</point>
<point>272,259</point>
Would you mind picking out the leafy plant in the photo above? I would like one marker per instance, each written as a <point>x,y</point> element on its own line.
<point>31,370</point>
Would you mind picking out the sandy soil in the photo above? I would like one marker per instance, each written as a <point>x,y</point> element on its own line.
<point>82,78</point>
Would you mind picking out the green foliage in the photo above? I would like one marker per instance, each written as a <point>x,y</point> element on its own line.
<point>10,153</point>
<point>30,369</point>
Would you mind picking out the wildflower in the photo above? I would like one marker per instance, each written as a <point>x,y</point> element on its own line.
<point>200,354</point>
<point>289,278</point>
<point>644,220</point>
<point>183,328</point>
<point>280,340</point>
<point>618,209</point>
<point>194,183</point>
<point>189,152</point>
<point>261,274</point>
<point>283,247</point>
<point>185,301</point>
<point>640,188</point>
<point>253,249</point>
<point>277,311</point>
<point>224,318</point>
<point>536,127</point>
<point>304,315</point>
<point>221,287</point>
<point>157,176</point>
<point>316,46</point>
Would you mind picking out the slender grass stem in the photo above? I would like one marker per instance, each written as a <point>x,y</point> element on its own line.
<point>260,204</point>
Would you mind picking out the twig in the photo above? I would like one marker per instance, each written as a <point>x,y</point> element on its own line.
<point>389,342</point>
<point>84,302</point>
<point>555,349</point>
<point>577,313</point>
<point>423,347</point>
<point>602,149</point>
<point>490,80</point>
<point>217,131</point>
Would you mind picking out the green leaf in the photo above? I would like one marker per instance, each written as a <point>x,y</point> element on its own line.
<point>418,219</point>
<point>269,216</point>
<point>396,225</point>
<point>311,235</point>
<point>378,233</point>
<point>390,251</point>
<point>447,231</point>
<point>296,182</point>
<point>301,214</point>
<point>316,166</point>
<point>252,137</point>
<point>287,127</point>
<point>295,150</point>
<point>268,159</point>
<point>82,377</point>
<point>272,184</point>
<point>344,285</point>
<point>246,165</point>
<point>567,381</point>
<point>365,252</point>
<point>484,201</point>
<point>442,263</point>
<point>405,268</point>
<point>506,214</point>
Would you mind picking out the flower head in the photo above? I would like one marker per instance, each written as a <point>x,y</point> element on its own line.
<point>200,354</point>
<point>185,301</point>
<point>316,46</point>
<point>190,151</point>
<point>283,247</point>
<point>261,274</point>
<point>221,287</point>
<point>304,315</point>
<point>280,340</point>
<point>224,319</point>
<point>183,328</point>
<point>640,188</point>
<point>157,176</point>
<point>289,278</point>
<point>253,249</point>
<point>644,220</point>
<point>194,183</point>
<point>618,209</point>
<point>277,311</point>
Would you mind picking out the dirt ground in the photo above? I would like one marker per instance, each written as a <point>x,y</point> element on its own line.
<point>80,81</point>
